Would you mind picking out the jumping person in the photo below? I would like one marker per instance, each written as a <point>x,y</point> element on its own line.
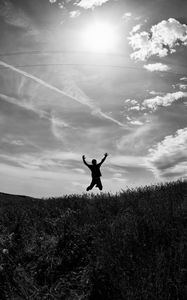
<point>96,173</point>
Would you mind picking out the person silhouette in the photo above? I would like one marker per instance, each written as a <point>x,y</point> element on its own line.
<point>95,172</point>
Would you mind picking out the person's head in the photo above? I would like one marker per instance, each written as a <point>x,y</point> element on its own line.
<point>94,162</point>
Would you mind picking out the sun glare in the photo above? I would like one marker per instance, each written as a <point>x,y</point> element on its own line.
<point>100,37</point>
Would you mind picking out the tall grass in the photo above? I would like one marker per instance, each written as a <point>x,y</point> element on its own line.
<point>125,246</point>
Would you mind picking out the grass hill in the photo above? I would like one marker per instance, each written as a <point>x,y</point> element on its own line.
<point>129,246</point>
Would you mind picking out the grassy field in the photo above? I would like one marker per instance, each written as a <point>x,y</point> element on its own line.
<point>125,246</point>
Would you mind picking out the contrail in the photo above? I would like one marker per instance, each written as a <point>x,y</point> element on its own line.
<point>27,106</point>
<point>42,113</point>
<point>55,122</point>
<point>82,100</point>
<point>42,82</point>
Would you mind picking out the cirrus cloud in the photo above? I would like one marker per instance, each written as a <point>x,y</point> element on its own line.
<point>14,16</point>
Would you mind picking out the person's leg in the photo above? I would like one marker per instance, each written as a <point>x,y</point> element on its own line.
<point>99,184</point>
<point>90,187</point>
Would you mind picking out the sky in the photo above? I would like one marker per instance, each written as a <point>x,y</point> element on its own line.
<point>88,77</point>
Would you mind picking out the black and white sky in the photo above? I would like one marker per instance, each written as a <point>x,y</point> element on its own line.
<point>89,77</point>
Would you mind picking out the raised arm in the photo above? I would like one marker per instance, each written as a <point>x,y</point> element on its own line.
<point>84,160</point>
<point>102,161</point>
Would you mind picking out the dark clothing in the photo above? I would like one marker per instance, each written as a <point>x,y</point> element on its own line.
<point>97,182</point>
<point>96,173</point>
<point>95,169</point>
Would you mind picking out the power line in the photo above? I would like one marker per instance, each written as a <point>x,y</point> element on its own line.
<point>88,64</point>
<point>37,52</point>
<point>73,64</point>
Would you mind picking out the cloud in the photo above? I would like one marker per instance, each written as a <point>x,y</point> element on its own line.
<point>131,101</point>
<point>183,86</point>
<point>168,159</point>
<point>14,16</point>
<point>155,93</point>
<point>87,4</point>
<point>79,170</point>
<point>53,160</point>
<point>58,126</point>
<point>127,161</point>
<point>39,183</point>
<point>118,175</point>
<point>136,28</point>
<point>120,180</point>
<point>136,107</point>
<point>139,139</point>
<point>157,67</point>
<point>70,90</point>
<point>25,105</point>
<point>136,122</point>
<point>127,16</point>
<point>183,78</point>
<point>166,100</point>
<point>162,39</point>
<point>18,141</point>
<point>74,14</point>
<point>14,142</point>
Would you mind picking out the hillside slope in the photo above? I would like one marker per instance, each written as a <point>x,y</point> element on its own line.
<point>131,245</point>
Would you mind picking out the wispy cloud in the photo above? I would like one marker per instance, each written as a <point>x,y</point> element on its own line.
<point>136,122</point>
<point>168,159</point>
<point>165,100</point>
<point>52,160</point>
<point>162,39</point>
<point>121,180</point>
<point>139,138</point>
<point>79,170</point>
<point>87,4</point>
<point>127,15</point>
<point>14,16</point>
<point>74,14</point>
<point>58,127</point>
<point>14,142</point>
<point>155,93</point>
<point>127,161</point>
<point>25,105</point>
<point>37,182</point>
<point>18,141</point>
<point>157,67</point>
<point>136,28</point>
<point>70,90</point>
<point>57,124</point>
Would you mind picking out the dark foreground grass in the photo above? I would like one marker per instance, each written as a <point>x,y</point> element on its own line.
<point>125,246</point>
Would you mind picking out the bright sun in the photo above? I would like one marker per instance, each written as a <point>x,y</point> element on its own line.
<point>100,37</point>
